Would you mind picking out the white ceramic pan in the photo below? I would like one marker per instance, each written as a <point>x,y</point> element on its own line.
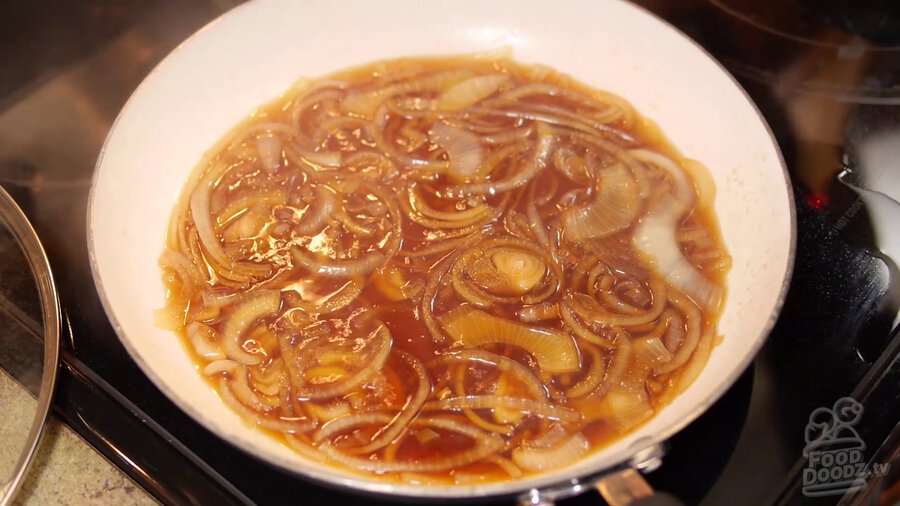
<point>250,55</point>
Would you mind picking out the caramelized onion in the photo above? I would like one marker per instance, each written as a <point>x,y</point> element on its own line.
<point>554,350</point>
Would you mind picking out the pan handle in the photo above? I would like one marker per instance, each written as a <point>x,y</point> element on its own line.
<point>629,488</point>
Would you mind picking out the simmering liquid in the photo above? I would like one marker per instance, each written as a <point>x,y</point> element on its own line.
<point>448,270</point>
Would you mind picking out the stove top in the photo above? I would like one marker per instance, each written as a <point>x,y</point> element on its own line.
<point>825,75</point>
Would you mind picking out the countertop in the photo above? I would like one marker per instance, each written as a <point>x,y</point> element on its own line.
<point>66,470</point>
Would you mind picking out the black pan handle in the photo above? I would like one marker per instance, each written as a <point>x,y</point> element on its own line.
<point>658,499</point>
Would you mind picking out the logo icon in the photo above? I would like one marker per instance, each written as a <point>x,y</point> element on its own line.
<point>836,463</point>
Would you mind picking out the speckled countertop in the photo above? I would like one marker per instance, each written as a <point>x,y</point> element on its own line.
<point>66,470</point>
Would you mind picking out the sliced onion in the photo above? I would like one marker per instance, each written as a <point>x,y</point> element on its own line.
<point>220,366</point>
<point>202,217</point>
<point>469,92</point>
<point>369,365</point>
<point>245,314</point>
<point>343,423</point>
<point>269,149</point>
<point>400,422</point>
<point>317,215</point>
<point>463,149</point>
<point>594,377</point>
<point>486,444</point>
<point>684,193</point>
<point>203,339</point>
<point>535,166</point>
<point>614,208</point>
<point>365,103</point>
<point>559,457</point>
<point>228,397</point>
<point>507,465</point>
<point>627,407</point>
<point>187,272</point>
<point>568,316</point>
<point>551,437</point>
<point>364,265</point>
<point>530,406</point>
<point>420,212</point>
<point>290,425</point>
<point>243,393</point>
<point>538,312</point>
<point>655,238</point>
<point>590,310</point>
<point>521,372</point>
<point>334,301</point>
<point>693,320</point>
<point>559,117</point>
<point>651,351</point>
<point>554,350</point>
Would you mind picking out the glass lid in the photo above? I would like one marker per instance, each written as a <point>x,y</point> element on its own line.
<point>29,344</point>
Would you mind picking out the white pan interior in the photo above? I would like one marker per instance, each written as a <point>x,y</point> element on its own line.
<point>257,51</point>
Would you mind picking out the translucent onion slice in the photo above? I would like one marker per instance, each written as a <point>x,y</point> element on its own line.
<point>365,103</point>
<point>333,301</point>
<point>246,314</point>
<point>401,421</point>
<point>521,177</point>
<point>614,208</point>
<point>204,340</point>
<point>363,265</point>
<point>519,371</point>
<point>368,365</point>
<point>693,319</point>
<point>651,351</point>
<point>568,316</point>
<point>469,92</point>
<point>269,149</point>
<point>343,423</point>
<point>220,366</point>
<point>558,457</point>
<point>554,350</point>
<point>530,406</point>
<point>626,407</point>
<point>594,377</point>
<point>538,312</point>
<point>318,213</point>
<point>463,149</point>
<point>684,192</point>
<point>485,445</point>
<point>655,238</point>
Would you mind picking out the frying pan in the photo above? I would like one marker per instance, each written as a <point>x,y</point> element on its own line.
<point>251,54</point>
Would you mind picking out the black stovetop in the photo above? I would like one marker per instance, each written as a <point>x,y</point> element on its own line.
<point>825,75</point>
